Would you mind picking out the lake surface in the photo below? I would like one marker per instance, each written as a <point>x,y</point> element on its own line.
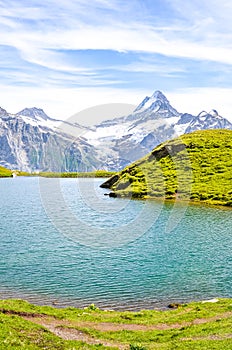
<point>64,241</point>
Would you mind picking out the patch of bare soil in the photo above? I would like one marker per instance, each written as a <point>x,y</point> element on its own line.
<point>114,327</point>
<point>66,331</point>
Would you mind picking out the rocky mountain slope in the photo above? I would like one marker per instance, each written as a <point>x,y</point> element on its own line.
<point>195,166</point>
<point>32,141</point>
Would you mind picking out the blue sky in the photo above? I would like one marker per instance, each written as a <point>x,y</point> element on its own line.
<point>65,55</point>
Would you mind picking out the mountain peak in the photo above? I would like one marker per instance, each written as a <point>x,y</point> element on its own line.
<point>202,114</point>
<point>214,113</point>
<point>157,102</point>
<point>34,112</point>
<point>208,120</point>
<point>3,112</point>
<point>158,95</point>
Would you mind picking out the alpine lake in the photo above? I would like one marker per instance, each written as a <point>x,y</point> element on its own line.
<point>65,242</point>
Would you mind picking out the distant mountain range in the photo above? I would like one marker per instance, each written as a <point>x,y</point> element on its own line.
<point>32,141</point>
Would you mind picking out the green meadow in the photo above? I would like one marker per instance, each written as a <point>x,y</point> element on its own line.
<point>5,172</point>
<point>196,166</point>
<point>197,325</point>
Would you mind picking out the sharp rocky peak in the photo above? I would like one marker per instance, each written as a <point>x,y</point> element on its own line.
<point>3,112</point>
<point>158,95</point>
<point>155,102</point>
<point>212,113</point>
<point>34,113</point>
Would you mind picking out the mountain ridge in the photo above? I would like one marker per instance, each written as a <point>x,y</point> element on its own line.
<point>34,113</point>
<point>109,145</point>
<point>37,144</point>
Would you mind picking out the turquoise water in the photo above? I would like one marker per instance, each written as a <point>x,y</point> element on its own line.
<point>64,241</point>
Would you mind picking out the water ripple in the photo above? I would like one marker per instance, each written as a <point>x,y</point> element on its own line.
<point>40,264</point>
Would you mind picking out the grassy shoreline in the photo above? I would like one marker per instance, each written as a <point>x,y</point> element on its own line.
<point>196,325</point>
<point>93,174</point>
<point>182,201</point>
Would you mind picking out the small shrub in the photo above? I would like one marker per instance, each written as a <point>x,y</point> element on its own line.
<point>194,196</point>
<point>93,307</point>
<point>204,196</point>
<point>137,347</point>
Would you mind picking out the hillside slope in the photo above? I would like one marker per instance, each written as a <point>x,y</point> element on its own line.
<point>5,172</point>
<point>196,166</point>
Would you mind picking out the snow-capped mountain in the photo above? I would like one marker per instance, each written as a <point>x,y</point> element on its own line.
<point>152,112</point>
<point>211,120</point>
<point>123,140</point>
<point>32,141</point>
<point>34,113</point>
<point>157,102</point>
<point>3,113</point>
<point>36,116</point>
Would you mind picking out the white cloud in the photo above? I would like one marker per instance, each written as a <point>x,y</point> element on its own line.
<point>197,29</point>
<point>200,34</point>
<point>134,37</point>
<point>148,67</point>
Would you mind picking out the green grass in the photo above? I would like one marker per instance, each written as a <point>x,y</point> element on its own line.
<point>97,173</point>
<point>196,166</point>
<point>5,172</point>
<point>195,325</point>
<point>93,174</point>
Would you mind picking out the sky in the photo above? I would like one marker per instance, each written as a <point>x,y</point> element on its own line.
<point>68,55</point>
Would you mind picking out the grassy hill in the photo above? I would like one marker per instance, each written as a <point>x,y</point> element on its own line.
<point>198,325</point>
<point>5,172</point>
<point>196,166</point>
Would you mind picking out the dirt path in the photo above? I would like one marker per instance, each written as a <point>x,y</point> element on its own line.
<point>114,327</point>
<point>66,331</point>
<point>74,330</point>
